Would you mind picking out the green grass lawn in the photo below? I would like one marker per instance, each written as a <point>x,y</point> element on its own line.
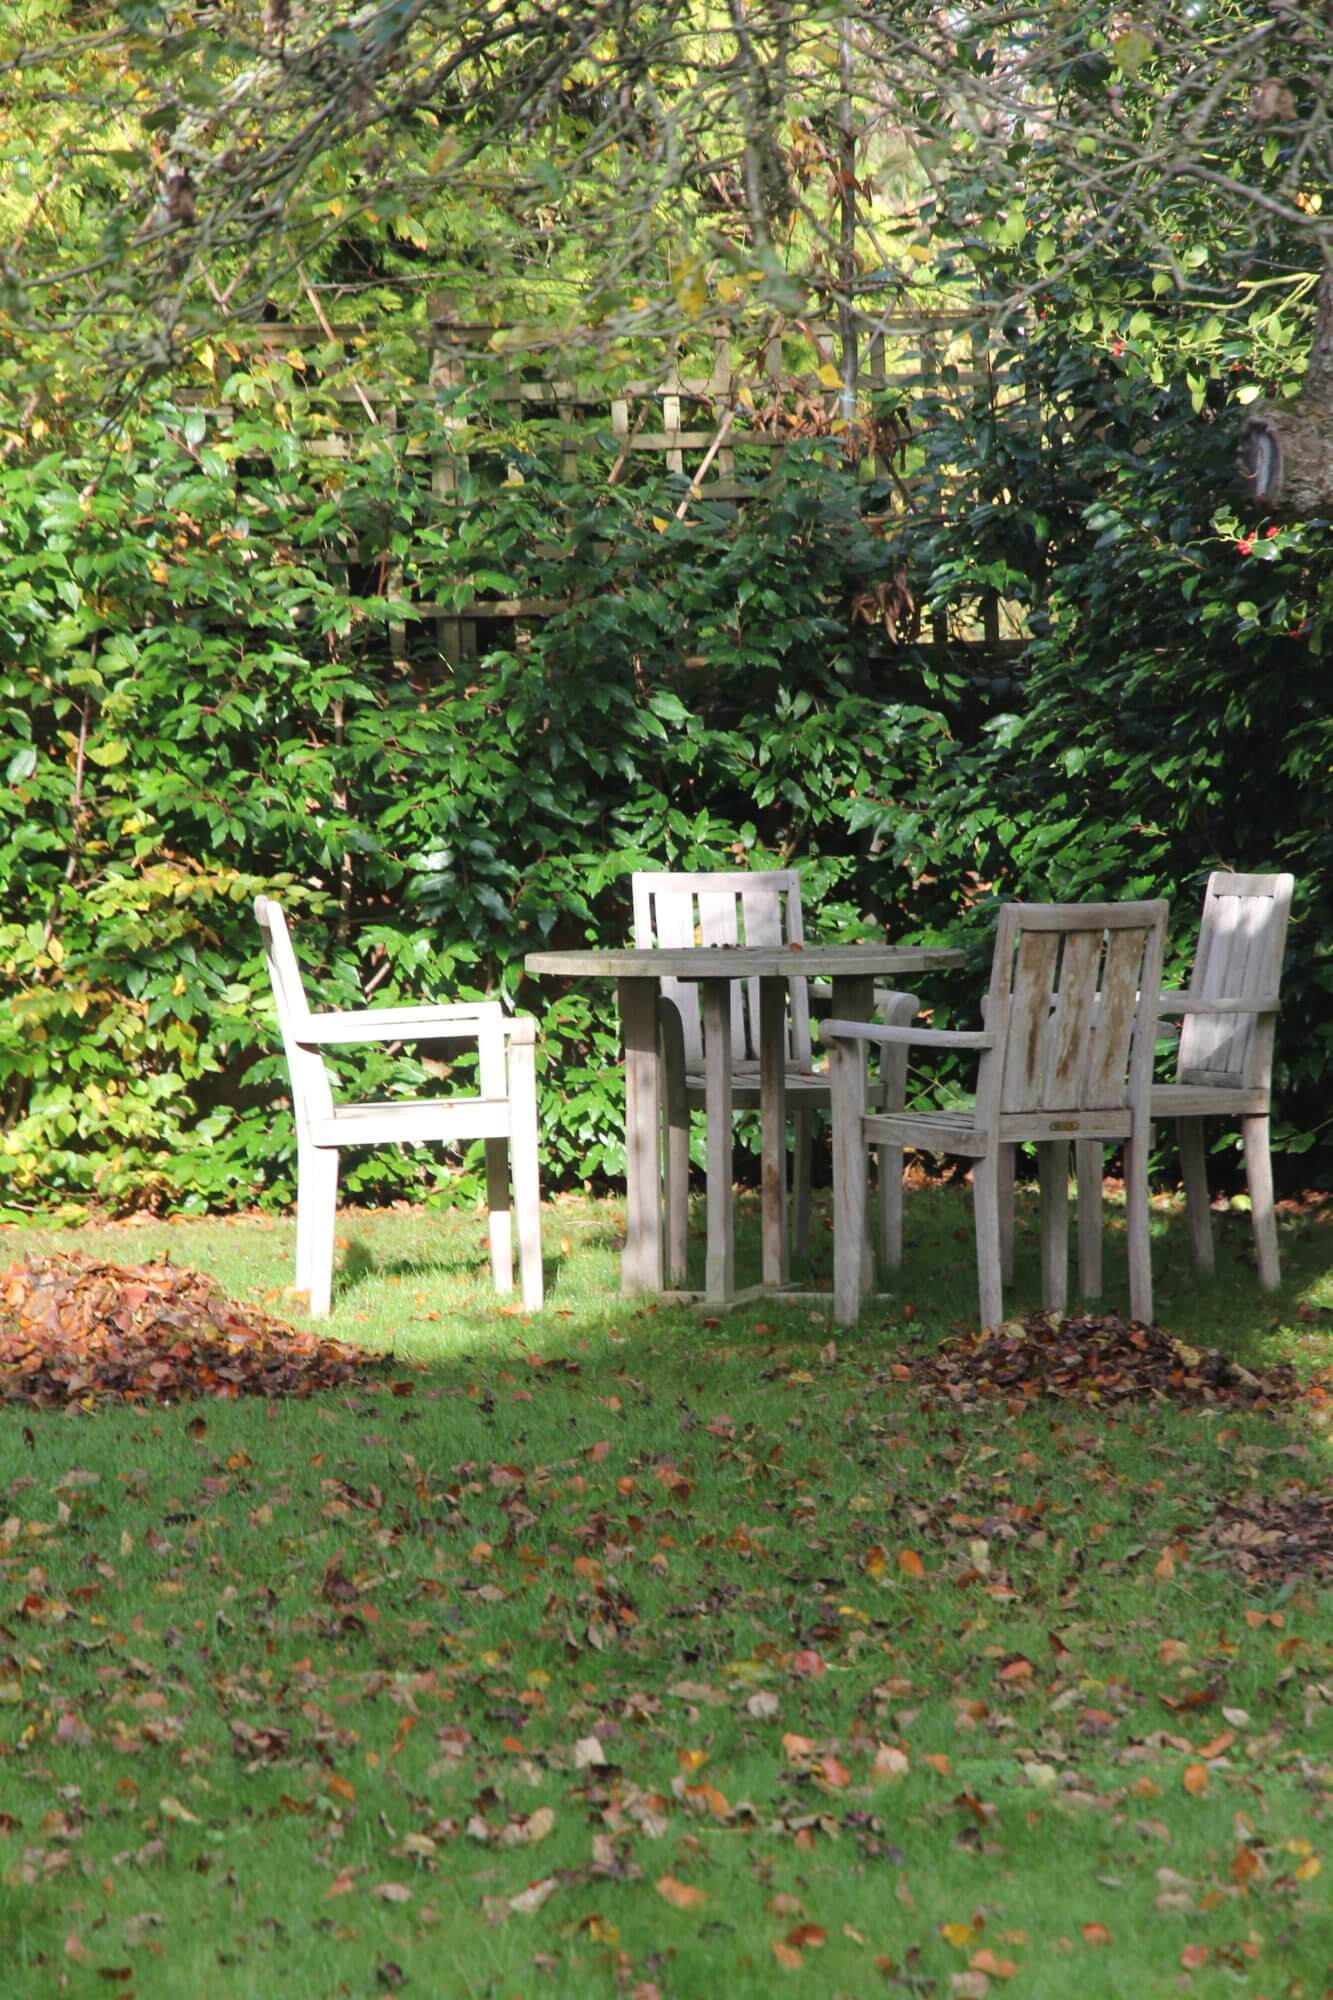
<point>630,1650</point>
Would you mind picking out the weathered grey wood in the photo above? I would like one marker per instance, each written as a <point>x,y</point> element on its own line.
<point>1029,1021</point>
<point>1088,1171</point>
<point>639,968</point>
<point>1138,1240</point>
<point>747,961</point>
<point>719,1278</point>
<point>847,1085</point>
<point>773,1058</point>
<point>802,1185</point>
<point>986,1223</point>
<point>853,998</point>
<point>676,1138</point>
<point>1073,993</point>
<point>641,1263</point>
<point>1194,1173</point>
<point>896,1010</point>
<point>503,1113</point>
<point>1259,1179</point>
<point>756,917</point>
<point>1053,1181</point>
<point>906,1037</point>
<point>1007,1168</point>
<point>1225,1058</point>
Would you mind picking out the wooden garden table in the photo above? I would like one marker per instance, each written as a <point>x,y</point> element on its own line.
<point>853,970</point>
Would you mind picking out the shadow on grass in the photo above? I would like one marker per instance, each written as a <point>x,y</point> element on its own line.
<point>361,1267</point>
<point>934,1291</point>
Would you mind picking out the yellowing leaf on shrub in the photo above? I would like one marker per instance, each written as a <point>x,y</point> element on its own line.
<point>829,376</point>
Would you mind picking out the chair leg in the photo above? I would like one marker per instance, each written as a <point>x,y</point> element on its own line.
<point>1007,1169</point>
<point>1053,1175</point>
<point>801,1176</point>
<point>1259,1177</point>
<point>1088,1171</point>
<point>889,1176</point>
<point>526,1172</point>
<point>498,1224</point>
<point>1194,1173</point>
<point>676,1140</point>
<point>897,1011</point>
<point>1139,1240</point>
<point>316,1210</point>
<point>986,1213</point>
<point>847,1100</point>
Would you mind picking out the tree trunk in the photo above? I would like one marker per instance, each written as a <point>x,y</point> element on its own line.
<point>1286,449</point>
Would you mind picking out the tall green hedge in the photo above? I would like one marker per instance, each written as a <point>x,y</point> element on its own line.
<point>199,698</point>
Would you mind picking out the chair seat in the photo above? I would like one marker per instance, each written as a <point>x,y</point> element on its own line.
<point>1199,1100</point>
<point>412,1121</point>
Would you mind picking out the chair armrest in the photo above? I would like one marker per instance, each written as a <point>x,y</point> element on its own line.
<point>463,1022</point>
<point>1191,1003</point>
<point>929,1038</point>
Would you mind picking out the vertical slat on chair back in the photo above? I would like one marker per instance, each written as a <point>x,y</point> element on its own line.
<point>1073,1004</point>
<point>312,1096</point>
<point>1242,937</point>
<point>664,915</point>
<point>740,907</point>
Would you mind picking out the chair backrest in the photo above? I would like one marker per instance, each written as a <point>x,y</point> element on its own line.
<point>763,907</point>
<point>312,1095</point>
<point>1073,1008</point>
<point>1242,937</point>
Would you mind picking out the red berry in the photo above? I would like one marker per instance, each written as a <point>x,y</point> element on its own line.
<point>1245,546</point>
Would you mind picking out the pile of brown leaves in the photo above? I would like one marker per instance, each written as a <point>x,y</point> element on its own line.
<point>76,1330</point>
<point>1097,1361</point>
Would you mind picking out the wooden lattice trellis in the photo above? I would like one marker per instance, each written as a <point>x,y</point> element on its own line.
<point>694,420</point>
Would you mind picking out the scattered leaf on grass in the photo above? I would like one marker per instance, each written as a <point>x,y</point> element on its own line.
<point>680,1895</point>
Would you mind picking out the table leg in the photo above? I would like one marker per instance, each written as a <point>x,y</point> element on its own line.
<point>641,1263</point>
<point>854,1000</point>
<point>773,1123</point>
<point>715,1001</point>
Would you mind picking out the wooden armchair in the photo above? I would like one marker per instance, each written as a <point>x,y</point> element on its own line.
<point>744,907</point>
<point>503,1113</point>
<point>1228,1015</point>
<point>1066,1054</point>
